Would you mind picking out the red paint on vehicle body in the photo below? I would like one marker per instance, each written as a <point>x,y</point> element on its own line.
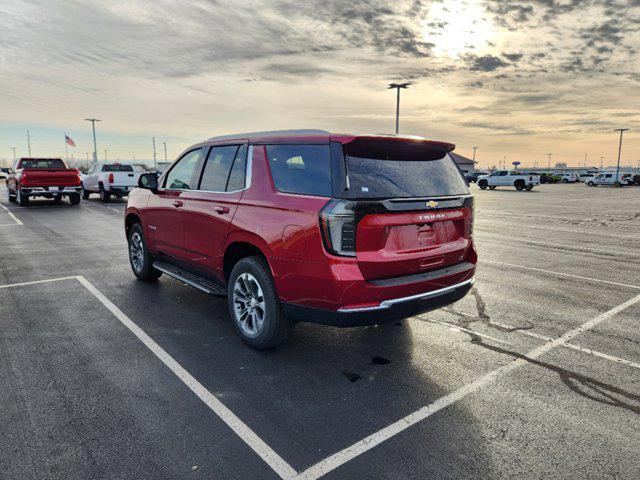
<point>199,227</point>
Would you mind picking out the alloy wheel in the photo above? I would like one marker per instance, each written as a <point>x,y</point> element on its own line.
<point>136,251</point>
<point>249,304</point>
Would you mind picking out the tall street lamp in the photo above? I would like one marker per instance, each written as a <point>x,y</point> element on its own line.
<point>549,161</point>
<point>398,86</point>
<point>95,147</point>
<point>621,130</point>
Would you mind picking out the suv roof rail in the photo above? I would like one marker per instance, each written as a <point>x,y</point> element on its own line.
<point>309,131</point>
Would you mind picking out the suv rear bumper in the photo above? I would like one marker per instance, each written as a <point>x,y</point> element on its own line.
<point>388,310</point>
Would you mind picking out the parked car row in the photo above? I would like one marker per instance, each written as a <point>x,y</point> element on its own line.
<point>51,178</point>
<point>613,179</point>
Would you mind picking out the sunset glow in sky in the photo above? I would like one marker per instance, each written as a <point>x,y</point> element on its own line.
<point>517,79</point>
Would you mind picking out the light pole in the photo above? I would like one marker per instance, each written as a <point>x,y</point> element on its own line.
<point>601,160</point>
<point>398,86</point>
<point>549,161</point>
<point>621,130</point>
<point>29,142</point>
<point>95,147</point>
<point>165,152</point>
<point>155,161</point>
<point>474,153</point>
<point>105,154</point>
<point>14,154</point>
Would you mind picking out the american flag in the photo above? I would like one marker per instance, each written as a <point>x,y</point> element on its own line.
<point>70,142</point>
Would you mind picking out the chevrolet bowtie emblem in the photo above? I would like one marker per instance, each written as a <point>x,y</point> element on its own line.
<point>432,204</point>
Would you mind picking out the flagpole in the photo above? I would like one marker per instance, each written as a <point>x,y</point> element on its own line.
<point>66,150</point>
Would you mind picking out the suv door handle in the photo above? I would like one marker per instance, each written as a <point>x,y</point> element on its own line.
<point>222,210</point>
<point>178,203</point>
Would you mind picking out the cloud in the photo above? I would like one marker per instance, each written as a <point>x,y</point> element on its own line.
<point>486,63</point>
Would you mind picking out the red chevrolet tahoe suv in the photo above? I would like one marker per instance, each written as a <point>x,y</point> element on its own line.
<point>43,177</point>
<point>344,230</point>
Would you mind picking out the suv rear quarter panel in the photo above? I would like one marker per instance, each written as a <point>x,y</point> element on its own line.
<point>285,227</point>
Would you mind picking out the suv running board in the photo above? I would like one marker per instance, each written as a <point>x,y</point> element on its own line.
<point>202,284</point>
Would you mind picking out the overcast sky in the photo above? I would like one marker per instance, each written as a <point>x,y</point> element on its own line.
<point>517,79</point>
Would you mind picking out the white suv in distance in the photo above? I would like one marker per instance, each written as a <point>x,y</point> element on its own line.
<point>620,180</point>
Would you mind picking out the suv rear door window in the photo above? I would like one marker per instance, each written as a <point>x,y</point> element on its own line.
<point>179,178</point>
<point>375,178</point>
<point>236,177</point>
<point>302,169</point>
<point>216,170</point>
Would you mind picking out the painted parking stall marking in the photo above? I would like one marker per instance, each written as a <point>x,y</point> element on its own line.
<point>16,220</point>
<point>264,451</point>
<point>366,444</point>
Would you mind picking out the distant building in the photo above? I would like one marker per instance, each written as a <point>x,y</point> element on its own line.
<point>466,164</point>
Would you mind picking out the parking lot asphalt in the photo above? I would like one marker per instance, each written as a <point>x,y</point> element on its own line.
<point>535,374</point>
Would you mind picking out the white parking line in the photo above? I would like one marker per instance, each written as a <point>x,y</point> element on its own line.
<point>579,348</point>
<point>340,458</point>
<point>264,451</point>
<point>561,274</point>
<point>561,246</point>
<point>48,280</point>
<point>529,333</point>
<point>13,217</point>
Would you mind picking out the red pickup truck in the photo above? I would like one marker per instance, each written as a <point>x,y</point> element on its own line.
<point>43,177</point>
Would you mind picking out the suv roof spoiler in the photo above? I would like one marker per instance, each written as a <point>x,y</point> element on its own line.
<point>386,147</point>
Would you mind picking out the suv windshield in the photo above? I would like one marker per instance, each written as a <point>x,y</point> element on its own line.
<point>44,163</point>
<point>374,178</point>
<point>117,168</point>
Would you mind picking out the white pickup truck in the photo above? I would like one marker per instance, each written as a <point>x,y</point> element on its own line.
<point>508,178</point>
<point>109,179</point>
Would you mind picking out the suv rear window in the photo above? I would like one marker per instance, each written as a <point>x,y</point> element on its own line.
<point>375,178</point>
<point>117,168</point>
<point>45,163</point>
<point>302,169</point>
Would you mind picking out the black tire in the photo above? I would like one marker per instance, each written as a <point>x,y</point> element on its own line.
<point>529,188</point>
<point>492,187</point>
<point>483,184</point>
<point>74,199</point>
<point>591,184</point>
<point>85,193</point>
<point>23,200</point>
<point>10,198</point>
<point>144,270</point>
<point>519,184</point>
<point>275,327</point>
<point>104,195</point>
<point>564,180</point>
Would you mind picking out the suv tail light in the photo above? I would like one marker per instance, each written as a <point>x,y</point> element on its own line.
<point>338,227</point>
<point>468,219</point>
<point>23,178</point>
<point>111,178</point>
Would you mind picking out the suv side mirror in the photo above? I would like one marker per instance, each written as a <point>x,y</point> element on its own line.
<point>148,181</point>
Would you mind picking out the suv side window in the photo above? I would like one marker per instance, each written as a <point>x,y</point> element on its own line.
<point>217,169</point>
<point>503,173</point>
<point>179,178</point>
<point>303,169</point>
<point>238,171</point>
